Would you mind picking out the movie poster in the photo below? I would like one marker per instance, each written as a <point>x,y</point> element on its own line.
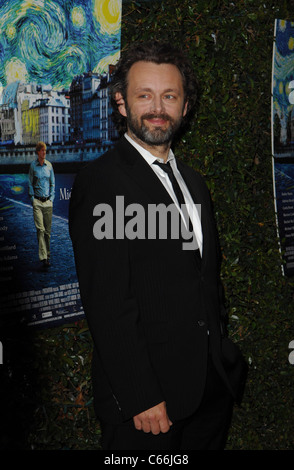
<point>56,62</point>
<point>283,138</point>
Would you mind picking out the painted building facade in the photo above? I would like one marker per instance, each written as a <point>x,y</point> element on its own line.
<point>30,112</point>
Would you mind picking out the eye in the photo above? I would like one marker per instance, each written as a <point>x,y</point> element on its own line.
<point>169,97</point>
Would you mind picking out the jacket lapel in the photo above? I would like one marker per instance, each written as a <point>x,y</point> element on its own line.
<point>142,175</point>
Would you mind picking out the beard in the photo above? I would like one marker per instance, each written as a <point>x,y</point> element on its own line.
<point>153,135</point>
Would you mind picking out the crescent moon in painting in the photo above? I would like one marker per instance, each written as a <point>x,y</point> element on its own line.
<point>108,15</point>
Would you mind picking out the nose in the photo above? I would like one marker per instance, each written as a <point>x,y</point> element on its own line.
<point>157,104</point>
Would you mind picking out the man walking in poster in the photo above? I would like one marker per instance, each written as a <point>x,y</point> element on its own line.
<point>42,193</point>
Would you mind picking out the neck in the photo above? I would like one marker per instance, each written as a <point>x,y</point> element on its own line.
<point>159,151</point>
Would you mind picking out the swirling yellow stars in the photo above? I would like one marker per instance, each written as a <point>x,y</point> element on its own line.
<point>10,32</point>
<point>291,43</point>
<point>282,25</point>
<point>15,70</point>
<point>78,17</point>
<point>108,15</point>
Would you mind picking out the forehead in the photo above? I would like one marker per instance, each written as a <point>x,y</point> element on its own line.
<point>150,75</point>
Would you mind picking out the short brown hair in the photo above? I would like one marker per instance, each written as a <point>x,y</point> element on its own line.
<point>40,146</point>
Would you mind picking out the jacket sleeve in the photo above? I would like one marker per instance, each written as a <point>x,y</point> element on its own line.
<point>104,275</point>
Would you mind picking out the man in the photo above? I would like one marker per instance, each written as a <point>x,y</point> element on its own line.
<point>42,193</point>
<point>153,308</point>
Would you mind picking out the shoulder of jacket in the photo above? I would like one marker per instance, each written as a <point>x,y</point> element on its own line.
<point>98,170</point>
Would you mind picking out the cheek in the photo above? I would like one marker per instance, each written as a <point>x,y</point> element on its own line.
<point>138,110</point>
<point>142,107</point>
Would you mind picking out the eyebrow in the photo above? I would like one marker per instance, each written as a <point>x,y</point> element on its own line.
<point>168,90</point>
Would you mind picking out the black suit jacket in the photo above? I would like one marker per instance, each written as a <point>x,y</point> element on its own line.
<point>148,303</point>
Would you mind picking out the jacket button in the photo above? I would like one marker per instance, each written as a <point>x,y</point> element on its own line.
<point>201,322</point>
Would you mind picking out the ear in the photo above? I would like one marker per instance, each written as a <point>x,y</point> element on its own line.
<point>185,109</point>
<point>120,103</point>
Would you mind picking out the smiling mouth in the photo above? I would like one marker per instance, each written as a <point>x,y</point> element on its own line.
<point>157,121</point>
<point>160,120</point>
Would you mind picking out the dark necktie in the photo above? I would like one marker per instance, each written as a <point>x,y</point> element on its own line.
<point>177,190</point>
<point>178,193</point>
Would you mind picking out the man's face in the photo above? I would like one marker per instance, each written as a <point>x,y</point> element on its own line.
<point>155,103</point>
<point>42,155</point>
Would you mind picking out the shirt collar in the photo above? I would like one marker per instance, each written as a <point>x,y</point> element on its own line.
<point>38,163</point>
<point>146,154</point>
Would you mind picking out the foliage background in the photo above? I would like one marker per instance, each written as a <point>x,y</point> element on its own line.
<point>48,401</point>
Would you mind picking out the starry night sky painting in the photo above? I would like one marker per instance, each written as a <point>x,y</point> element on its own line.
<point>51,41</point>
<point>47,47</point>
<point>283,87</point>
<point>283,138</point>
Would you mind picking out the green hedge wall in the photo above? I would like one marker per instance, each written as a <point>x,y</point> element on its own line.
<point>229,142</point>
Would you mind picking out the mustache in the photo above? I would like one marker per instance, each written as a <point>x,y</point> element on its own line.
<point>164,116</point>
